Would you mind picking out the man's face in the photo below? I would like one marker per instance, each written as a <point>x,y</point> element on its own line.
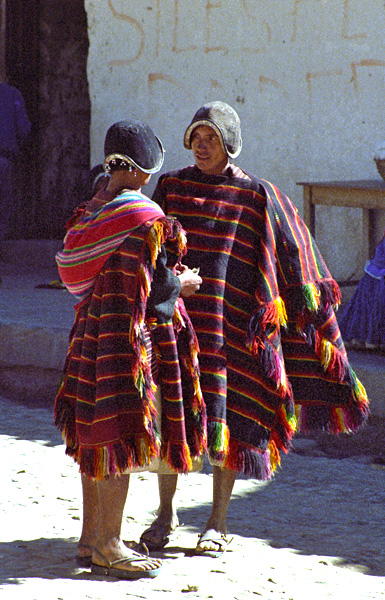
<point>209,155</point>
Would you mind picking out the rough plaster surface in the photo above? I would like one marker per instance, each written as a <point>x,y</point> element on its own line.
<point>306,76</point>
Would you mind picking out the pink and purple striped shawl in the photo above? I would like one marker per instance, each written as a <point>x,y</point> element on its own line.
<point>90,242</point>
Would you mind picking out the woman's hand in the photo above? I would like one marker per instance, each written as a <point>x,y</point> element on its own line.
<point>189,279</point>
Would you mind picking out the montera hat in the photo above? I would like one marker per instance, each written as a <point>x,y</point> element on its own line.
<point>133,143</point>
<point>225,122</point>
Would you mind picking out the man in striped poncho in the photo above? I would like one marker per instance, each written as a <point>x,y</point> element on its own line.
<point>272,359</point>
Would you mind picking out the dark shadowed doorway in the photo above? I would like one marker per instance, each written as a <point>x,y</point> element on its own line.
<point>46,58</point>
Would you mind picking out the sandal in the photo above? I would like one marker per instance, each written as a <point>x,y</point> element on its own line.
<point>110,569</point>
<point>156,536</point>
<point>211,536</point>
<point>86,560</point>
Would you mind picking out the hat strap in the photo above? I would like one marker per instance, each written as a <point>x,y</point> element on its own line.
<point>111,161</point>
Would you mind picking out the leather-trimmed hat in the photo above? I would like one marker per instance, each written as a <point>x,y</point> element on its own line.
<point>133,142</point>
<point>225,122</point>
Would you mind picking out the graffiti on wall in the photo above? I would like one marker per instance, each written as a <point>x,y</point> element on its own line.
<point>178,33</point>
<point>260,37</point>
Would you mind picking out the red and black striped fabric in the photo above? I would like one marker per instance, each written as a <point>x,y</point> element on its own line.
<point>271,356</point>
<point>105,405</point>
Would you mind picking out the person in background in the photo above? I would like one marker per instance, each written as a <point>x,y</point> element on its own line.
<point>362,322</point>
<point>130,380</point>
<point>271,356</point>
<point>98,179</point>
<point>14,130</point>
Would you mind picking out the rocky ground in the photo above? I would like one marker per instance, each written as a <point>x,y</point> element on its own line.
<point>315,532</point>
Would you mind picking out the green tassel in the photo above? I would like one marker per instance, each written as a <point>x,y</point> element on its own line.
<point>218,437</point>
<point>312,296</point>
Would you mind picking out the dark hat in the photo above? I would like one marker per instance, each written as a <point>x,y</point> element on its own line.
<point>135,142</point>
<point>224,120</point>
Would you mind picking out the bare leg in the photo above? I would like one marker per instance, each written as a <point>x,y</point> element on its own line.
<point>91,516</point>
<point>156,536</point>
<point>167,512</point>
<point>223,483</point>
<point>112,494</point>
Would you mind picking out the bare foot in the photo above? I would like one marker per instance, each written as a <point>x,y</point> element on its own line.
<point>124,560</point>
<point>84,551</point>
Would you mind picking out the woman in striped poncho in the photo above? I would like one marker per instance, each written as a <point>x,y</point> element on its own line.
<point>271,356</point>
<point>131,333</point>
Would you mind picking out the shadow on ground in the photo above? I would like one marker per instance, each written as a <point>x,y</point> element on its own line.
<point>327,499</point>
<point>43,558</point>
<point>316,506</point>
<point>28,423</point>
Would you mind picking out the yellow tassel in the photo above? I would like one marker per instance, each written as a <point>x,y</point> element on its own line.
<point>275,459</point>
<point>281,311</point>
<point>197,389</point>
<point>144,280</point>
<point>326,353</point>
<point>177,319</point>
<point>360,392</point>
<point>143,355</point>
<point>182,240</point>
<point>188,458</point>
<point>155,240</point>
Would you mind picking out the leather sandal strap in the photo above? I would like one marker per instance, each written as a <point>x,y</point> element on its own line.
<point>129,561</point>
<point>104,558</point>
<point>136,557</point>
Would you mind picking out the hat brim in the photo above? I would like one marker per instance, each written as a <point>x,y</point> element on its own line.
<point>129,160</point>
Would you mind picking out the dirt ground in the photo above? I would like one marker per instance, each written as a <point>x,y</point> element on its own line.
<point>314,532</point>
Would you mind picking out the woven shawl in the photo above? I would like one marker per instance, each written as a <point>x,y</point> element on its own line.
<point>271,356</point>
<point>105,405</point>
<point>96,236</point>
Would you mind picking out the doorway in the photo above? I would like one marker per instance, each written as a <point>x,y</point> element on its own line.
<point>46,49</point>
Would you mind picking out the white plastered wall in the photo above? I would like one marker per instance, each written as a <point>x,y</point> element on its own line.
<point>307,78</point>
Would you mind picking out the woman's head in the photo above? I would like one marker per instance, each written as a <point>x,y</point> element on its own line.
<point>131,145</point>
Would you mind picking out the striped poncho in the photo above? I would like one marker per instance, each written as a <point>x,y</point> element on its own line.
<point>130,328</point>
<point>271,357</point>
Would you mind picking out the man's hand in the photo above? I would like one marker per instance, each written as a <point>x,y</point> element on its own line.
<point>189,279</point>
